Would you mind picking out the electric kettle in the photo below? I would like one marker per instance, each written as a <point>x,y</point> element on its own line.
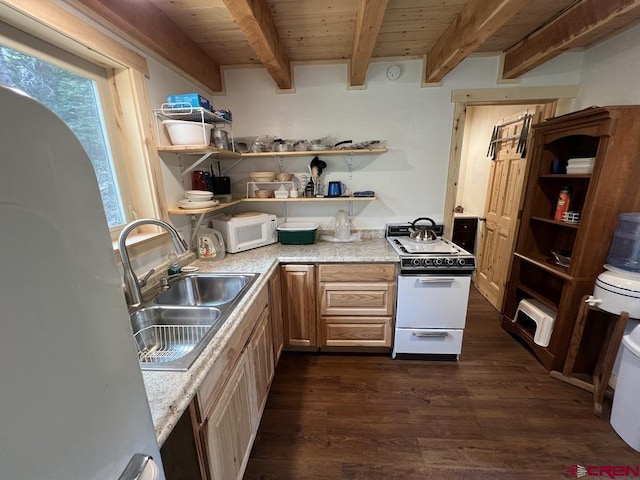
<point>343,226</point>
<point>210,244</point>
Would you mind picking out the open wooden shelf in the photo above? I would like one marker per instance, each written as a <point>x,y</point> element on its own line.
<point>345,152</point>
<point>200,150</point>
<point>199,211</point>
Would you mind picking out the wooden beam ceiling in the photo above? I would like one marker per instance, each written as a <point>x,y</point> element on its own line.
<point>256,22</point>
<point>476,22</point>
<point>581,24</point>
<point>147,24</point>
<point>368,22</point>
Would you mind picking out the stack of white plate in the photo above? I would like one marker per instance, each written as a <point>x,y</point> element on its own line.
<point>580,165</point>
<point>197,199</point>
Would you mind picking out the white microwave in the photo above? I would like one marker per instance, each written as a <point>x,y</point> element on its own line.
<point>245,231</point>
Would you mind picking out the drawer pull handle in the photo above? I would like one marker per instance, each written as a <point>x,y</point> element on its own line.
<point>430,334</point>
<point>436,280</point>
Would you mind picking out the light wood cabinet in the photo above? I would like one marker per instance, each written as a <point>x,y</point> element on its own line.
<point>231,398</point>
<point>609,134</point>
<point>357,305</point>
<point>229,431</point>
<point>261,361</point>
<point>275,306</point>
<point>299,305</point>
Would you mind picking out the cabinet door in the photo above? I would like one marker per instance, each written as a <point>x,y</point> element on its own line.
<point>261,360</point>
<point>275,305</point>
<point>228,432</point>
<point>299,305</point>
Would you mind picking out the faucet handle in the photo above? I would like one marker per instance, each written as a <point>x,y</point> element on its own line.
<point>143,282</point>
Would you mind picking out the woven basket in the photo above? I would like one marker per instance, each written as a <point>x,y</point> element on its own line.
<point>284,177</point>
<point>262,176</point>
<point>264,193</point>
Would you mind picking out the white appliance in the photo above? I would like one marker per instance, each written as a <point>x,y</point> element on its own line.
<point>72,398</point>
<point>245,231</point>
<point>433,293</point>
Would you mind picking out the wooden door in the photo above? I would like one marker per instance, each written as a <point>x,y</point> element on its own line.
<point>261,360</point>
<point>275,305</point>
<point>299,305</point>
<point>502,213</point>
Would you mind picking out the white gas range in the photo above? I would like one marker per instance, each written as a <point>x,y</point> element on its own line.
<point>433,290</point>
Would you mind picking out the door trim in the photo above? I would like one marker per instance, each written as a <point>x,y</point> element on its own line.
<point>556,100</point>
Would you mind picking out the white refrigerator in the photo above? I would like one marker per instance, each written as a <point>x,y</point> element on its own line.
<point>72,398</point>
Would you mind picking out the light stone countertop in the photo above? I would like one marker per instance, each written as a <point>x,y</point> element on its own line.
<point>169,393</point>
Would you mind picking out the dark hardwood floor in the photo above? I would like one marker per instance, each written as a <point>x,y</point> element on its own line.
<point>495,414</point>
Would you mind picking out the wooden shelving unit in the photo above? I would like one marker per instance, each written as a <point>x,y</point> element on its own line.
<point>610,135</point>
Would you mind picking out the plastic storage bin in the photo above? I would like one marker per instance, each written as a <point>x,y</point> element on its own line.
<point>297,233</point>
<point>625,413</point>
<point>624,252</point>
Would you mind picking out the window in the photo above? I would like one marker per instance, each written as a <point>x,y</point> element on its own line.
<point>75,99</point>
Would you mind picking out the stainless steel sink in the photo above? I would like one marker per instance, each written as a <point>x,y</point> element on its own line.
<point>173,329</point>
<point>206,289</point>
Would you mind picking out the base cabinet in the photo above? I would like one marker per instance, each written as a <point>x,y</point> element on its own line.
<point>225,413</point>
<point>355,306</point>
<point>229,431</point>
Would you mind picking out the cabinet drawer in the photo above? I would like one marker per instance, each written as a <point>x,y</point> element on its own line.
<point>357,299</point>
<point>431,341</point>
<point>357,272</point>
<point>465,225</point>
<point>356,331</point>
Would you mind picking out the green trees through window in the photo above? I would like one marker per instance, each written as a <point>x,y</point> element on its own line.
<point>75,100</point>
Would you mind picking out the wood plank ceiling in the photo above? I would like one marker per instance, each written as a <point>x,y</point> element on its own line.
<point>199,36</point>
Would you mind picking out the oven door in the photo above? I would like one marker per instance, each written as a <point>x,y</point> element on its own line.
<point>432,301</point>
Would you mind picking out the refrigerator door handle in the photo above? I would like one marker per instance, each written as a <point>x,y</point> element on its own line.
<point>140,467</point>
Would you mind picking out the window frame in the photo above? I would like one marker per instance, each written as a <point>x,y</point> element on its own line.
<point>124,100</point>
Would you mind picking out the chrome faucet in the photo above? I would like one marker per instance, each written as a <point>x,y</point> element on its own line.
<point>131,283</point>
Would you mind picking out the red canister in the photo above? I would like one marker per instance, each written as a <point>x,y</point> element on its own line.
<point>563,203</point>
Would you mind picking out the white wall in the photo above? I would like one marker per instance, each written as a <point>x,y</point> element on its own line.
<point>416,122</point>
<point>611,74</point>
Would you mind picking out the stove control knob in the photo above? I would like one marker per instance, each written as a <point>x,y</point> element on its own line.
<point>461,261</point>
<point>428,261</point>
<point>415,262</point>
<point>438,261</point>
<point>450,261</point>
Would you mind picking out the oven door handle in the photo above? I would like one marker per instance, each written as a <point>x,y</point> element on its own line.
<point>430,334</point>
<point>436,280</point>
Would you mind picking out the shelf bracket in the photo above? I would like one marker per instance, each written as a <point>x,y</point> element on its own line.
<point>196,163</point>
<point>349,162</point>
<point>285,211</point>
<point>230,166</point>
<point>350,209</point>
<point>279,162</point>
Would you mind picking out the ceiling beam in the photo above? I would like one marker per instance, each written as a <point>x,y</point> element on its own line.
<point>256,22</point>
<point>580,25</point>
<point>476,22</point>
<point>147,24</point>
<point>368,22</point>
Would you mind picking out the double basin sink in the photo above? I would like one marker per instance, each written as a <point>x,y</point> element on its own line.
<point>172,329</point>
